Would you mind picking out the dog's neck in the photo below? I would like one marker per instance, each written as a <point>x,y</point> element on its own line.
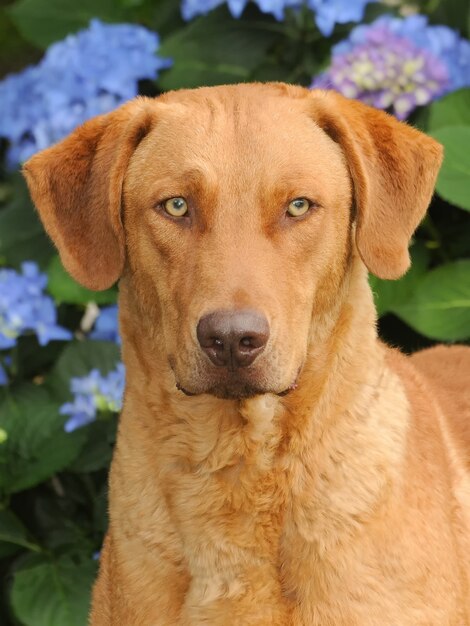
<point>343,366</point>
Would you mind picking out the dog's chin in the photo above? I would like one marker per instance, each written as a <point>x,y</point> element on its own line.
<point>239,384</point>
<point>235,389</point>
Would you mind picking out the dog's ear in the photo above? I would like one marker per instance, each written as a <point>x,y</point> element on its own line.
<point>393,169</point>
<point>76,185</point>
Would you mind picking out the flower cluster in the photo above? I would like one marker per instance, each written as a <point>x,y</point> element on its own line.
<point>398,63</point>
<point>331,12</point>
<point>86,74</point>
<point>94,394</point>
<point>24,308</point>
<point>327,12</point>
<point>106,326</point>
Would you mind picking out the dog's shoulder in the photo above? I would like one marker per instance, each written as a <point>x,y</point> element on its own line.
<point>446,370</point>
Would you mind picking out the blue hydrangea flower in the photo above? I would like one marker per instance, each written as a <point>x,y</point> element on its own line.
<point>107,325</point>
<point>94,393</point>
<point>327,12</point>
<point>24,308</point>
<point>331,12</point>
<point>398,63</point>
<point>86,74</point>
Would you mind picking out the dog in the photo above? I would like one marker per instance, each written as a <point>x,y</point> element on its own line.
<point>276,464</point>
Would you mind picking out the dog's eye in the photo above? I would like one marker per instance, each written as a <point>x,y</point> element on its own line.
<point>298,207</point>
<point>176,207</point>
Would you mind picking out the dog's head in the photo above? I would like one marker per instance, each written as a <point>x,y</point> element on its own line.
<point>234,215</point>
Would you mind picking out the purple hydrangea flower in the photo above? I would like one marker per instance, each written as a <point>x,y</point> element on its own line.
<point>94,393</point>
<point>327,12</point>
<point>107,325</point>
<point>24,308</point>
<point>86,74</point>
<point>398,63</point>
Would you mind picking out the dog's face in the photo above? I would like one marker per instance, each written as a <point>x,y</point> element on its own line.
<point>265,199</point>
<point>232,213</point>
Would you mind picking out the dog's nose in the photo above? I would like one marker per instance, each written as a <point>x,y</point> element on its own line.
<point>233,338</point>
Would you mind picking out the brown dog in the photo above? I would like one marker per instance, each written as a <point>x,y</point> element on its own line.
<point>276,464</point>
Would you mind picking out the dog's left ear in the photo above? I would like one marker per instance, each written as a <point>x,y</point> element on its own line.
<point>76,186</point>
<point>393,168</point>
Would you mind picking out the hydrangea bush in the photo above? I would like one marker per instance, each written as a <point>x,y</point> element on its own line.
<point>398,64</point>
<point>88,73</point>
<point>326,13</point>
<point>61,378</point>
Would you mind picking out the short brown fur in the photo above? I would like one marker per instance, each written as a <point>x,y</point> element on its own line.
<point>328,482</point>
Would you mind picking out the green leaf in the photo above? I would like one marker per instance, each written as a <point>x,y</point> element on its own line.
<point>98,449</point>
<point>13,531</point>
<point>451,110</point>
<point>388,294</point>
<point>453,13</point>
<point>53,592</point>
<point>31,359</point>
<point>78,359</point>
<point>440,304</point>
<point>15,52</point>
<point>215,49</point>
<point>100,511</point>
<point>65,289</point>
<point>453,183</point>
<point>65,523</point>
<point>22,235</point>
<point>36,446</point>
<point>41,22</point>
<point>7,549</point>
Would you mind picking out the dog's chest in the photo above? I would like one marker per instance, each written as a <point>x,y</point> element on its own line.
<point>248,525</point>
<point>245,526</point>
<point>230,514</point>
<point>259,512</point>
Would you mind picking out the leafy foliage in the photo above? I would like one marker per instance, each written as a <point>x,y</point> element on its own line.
<point>21,233</point>
<point>452,110</point>
<point>439,307</point>
<point>453,183</point>
<point>53,483</point>
<point>435,303</point>
<point>42,22</point>
<point>13,532</point>
<point>37,446</point>
<point>215,50</point>
<point>65,583</point>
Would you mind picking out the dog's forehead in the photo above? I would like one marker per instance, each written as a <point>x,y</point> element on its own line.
<point>240,127</point>
<point>240,114</point>
<point>238,96</point>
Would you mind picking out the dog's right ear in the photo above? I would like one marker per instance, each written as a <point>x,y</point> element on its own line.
<point>76,186</point>
<point>393,169</point>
